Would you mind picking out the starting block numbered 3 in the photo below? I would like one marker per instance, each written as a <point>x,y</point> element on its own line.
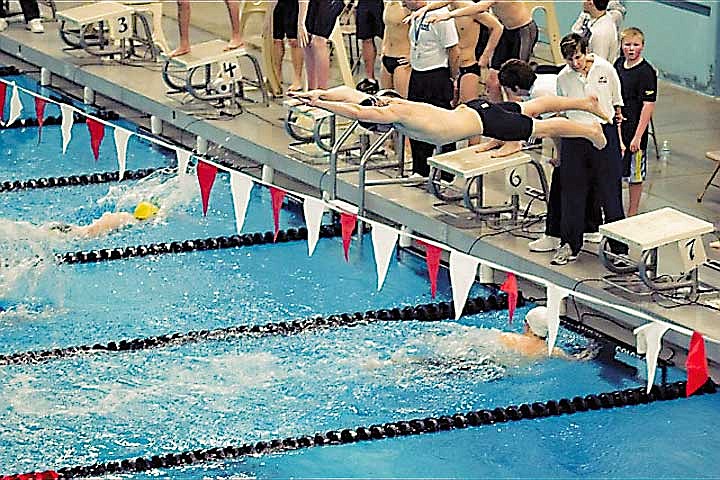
<point>107,29</point>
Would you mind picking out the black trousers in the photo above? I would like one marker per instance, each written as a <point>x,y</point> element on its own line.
<point>29,8</point>
<point>434,87</point>
<point>582,168</point>
<point>593,215</point>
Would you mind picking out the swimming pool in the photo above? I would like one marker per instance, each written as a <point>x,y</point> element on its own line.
<point>113,406</point>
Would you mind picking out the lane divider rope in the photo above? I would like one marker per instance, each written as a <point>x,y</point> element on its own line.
<point>73,180</point>
<point>212,243</point>
<point>428,312</point>
<point>417,426</point>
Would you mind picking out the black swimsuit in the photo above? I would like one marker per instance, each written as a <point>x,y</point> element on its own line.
<point>502,120</point>
<point>391,63</point>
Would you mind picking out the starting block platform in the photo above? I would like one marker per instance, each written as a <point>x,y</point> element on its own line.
<point>469,166</point>
<point>665,249</point>
<point>313,129</point>
<point>108,29</point>
<point>220,73</point>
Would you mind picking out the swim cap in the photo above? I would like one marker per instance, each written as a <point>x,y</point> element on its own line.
<point>373,101</point>
<point>145,210</point>
<point>537,321</point>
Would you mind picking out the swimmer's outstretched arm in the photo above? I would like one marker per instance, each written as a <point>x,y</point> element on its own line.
<point>384,114</point>
<point>105,224</point>
<point>340,93</point>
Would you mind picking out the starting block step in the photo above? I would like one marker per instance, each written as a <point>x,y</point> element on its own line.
<point>205,53</point>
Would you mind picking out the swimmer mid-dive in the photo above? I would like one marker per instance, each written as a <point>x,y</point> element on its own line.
<point>108,222</point>
<point>503,121</point>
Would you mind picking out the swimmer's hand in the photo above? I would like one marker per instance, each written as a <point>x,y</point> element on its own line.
<point>310,98</point>
<point>415,14</point>
<point>587,354</point>
<point>438,17</point>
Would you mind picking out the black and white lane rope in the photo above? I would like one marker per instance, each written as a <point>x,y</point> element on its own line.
<point>73,180</point>
<point>416,426</point>
<point>427,312</point>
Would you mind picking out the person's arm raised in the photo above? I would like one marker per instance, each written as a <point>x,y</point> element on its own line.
<point>469,11</point>
<point>421,12</point>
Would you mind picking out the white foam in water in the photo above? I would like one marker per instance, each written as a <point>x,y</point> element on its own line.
<point>168,193</point>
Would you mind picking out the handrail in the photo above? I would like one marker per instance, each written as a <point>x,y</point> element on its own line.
<point>332,171</point>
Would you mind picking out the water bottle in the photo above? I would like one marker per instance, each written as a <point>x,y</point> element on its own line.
<point>665,152</point>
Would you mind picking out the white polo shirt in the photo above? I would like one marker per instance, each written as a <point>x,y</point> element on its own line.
<point>602,81</point>
<point>545,84</point>
<point>429,42</point>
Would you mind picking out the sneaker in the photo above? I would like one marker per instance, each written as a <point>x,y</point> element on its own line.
<point>369,86</point>
<point>594,237</point>
<point>3,24</point>
<point>544,244</point>
<point>563,256</point>
<point>35,25</point>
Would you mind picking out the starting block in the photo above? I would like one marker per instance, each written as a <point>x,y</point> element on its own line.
<point>314,129</point>
<point>221,73</point>
<point>662,245</point>
<point>469,166</point>
<point>108,29</point>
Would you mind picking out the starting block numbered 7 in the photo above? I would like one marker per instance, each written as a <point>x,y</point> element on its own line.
<point>108,29</point>
<point>213,74</point>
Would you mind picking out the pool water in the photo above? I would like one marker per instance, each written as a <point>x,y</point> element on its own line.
<point>113,406</point>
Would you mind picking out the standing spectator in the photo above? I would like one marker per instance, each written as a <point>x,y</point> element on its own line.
<point>520,79</point>
<point>369,24</point>
<point>582,165</point>
<point>638,82</point>
<point>30,11</point>
<point>183,18</point>
<point>518,39</point>
<point>316,21</point>
<point>434,57</point>
<point>395,71</point>
<point>285,22</point>
<point>599,28</point>
<point>615,9</point>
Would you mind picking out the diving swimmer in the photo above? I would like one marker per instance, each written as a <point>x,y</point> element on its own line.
<point>108,222</point>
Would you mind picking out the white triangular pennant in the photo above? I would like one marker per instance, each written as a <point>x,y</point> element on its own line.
<point>15,105</point>
<point>649,338</point>
<point>240,186</point>
<point>555,296</point>
<point>183,159</point>
<point>313,210</point>
<point>68,114</point>
<point>121,140</point>
<point>463,269</point>
<point>384,239</point>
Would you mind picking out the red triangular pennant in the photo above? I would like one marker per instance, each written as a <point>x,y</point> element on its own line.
<point>206,177</point>
<point>432,258</point>
<point>40,114</point>
<point>696,364</point>
<point>509,286</point>
<point>97,132</point>
<point>3,92</point>
<point>277,196</point>
<point>348,221</point>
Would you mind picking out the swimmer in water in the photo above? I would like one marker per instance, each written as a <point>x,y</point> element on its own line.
<point>532,343</point>
<point>108,222</point>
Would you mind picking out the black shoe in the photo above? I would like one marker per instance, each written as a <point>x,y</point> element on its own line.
<point>369,86</point>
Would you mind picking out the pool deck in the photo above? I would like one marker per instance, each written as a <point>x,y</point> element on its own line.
<point>690,121</point>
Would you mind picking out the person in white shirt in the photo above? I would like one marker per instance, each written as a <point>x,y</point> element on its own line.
<point>581,165</point>
<point>434,59</point>
<point>600,26</point>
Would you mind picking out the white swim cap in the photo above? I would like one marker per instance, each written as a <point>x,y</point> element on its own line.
<point>537,321</point>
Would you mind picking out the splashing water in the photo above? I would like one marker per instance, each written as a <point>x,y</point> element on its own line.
<point>169,194</point>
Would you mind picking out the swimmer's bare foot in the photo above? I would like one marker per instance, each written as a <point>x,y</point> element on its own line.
<point>594,108</point>
<point>597,137</point>
<point>489,145</point>
<point>295,87</point>
<point>508,148</point>
<point>234,45</point>
<point>180,51</point>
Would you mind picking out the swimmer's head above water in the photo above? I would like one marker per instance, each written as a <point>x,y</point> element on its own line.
<point>536,321</point>
<point>145,210</point>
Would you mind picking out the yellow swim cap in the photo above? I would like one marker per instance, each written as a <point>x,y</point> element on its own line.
<point>145,210</point>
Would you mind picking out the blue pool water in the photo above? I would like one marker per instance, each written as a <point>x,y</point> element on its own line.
<point>113,406</point>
